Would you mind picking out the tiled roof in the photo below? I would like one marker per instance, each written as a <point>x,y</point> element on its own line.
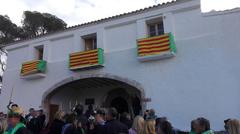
<point>104,20</point>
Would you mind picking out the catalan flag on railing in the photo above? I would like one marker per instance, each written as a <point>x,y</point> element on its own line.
<point>32,67</point>
<point>86,59</point>
<point>157,45</point>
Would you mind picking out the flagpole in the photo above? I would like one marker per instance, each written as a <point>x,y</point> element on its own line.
<point>11,95</point>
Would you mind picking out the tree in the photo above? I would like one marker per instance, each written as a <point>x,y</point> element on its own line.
<point>53,23</point>
<point>8,30</point>
<point>33,23</point>
<point>3,63</point>
<point>36,23</point>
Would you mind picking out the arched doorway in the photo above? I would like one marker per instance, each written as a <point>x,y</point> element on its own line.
<point>95,89</point>
<point>121,99</point>
<point>120,104</point>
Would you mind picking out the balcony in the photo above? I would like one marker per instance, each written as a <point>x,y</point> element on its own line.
<point>33,69</point>
<point>157,47</point>
<point>86,59</point>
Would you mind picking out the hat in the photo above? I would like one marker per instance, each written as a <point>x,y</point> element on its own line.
<point>16,112</point>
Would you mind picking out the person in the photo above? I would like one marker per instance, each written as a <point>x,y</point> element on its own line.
<point>158,121</point>
<point>34,124</point>
<point>113,126</point>
<point>89,111</point>
<point>149,126</point>
<point>138,125</point>
<point>150,122</point>
<point>126,119</point>
<point>145,114</point>
<point>41,118</point>
<point>72,126</point>
<point>11,106</point>
<point>29,115</point>
<point>69,120</point>
<point>57,124</point>
<point>193,127</point>
<point>81,118</point>
<point>225,125</point>
<point>233,126</point>
<point>14,120</point>
<point>203,126</point>
<point>165,127</point>
<point>3,122</point>
<point>99,126</point>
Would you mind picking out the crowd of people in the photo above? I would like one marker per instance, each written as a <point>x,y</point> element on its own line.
<point>100,121</point>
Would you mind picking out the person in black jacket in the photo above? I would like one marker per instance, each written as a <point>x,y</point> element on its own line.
<point>29,116</point>
<point>113,126</point>
<point>41,118</point>
<point>126,119</point>
<point>81,118</point>
<point>57,124</point>
<point>34,124</point>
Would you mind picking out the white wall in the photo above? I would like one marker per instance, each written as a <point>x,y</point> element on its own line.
<point>60,49</point>
<point>17,57</point>
<point>120,38</point>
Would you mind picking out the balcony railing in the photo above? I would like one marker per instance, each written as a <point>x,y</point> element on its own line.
<point>86,59</point>
<point>33,67</point>
<point>158,47</point>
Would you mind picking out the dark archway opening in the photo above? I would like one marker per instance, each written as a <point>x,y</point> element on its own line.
<point>136,106</point>
<point>120,104</point>
<point>103,92</point>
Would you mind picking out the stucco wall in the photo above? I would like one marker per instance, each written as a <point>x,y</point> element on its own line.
<point>202,80</point>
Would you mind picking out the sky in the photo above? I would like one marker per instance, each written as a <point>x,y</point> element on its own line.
<point>75,12</point>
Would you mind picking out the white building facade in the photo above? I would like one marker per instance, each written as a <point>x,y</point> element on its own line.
<point>169,57</point>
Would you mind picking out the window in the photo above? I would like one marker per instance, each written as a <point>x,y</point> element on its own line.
<point>39,52</point>
<point>89,101</point>
<point>155,27</point>
<point>90,42</point>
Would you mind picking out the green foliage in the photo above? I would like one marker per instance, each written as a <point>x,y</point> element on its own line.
<point>53,23</point>
<point>8,30</point>
<point>33,24</point>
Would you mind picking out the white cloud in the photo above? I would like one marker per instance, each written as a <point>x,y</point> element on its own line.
<point>218,5</point>
<point>79,11</point>
<point>13,9</point>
